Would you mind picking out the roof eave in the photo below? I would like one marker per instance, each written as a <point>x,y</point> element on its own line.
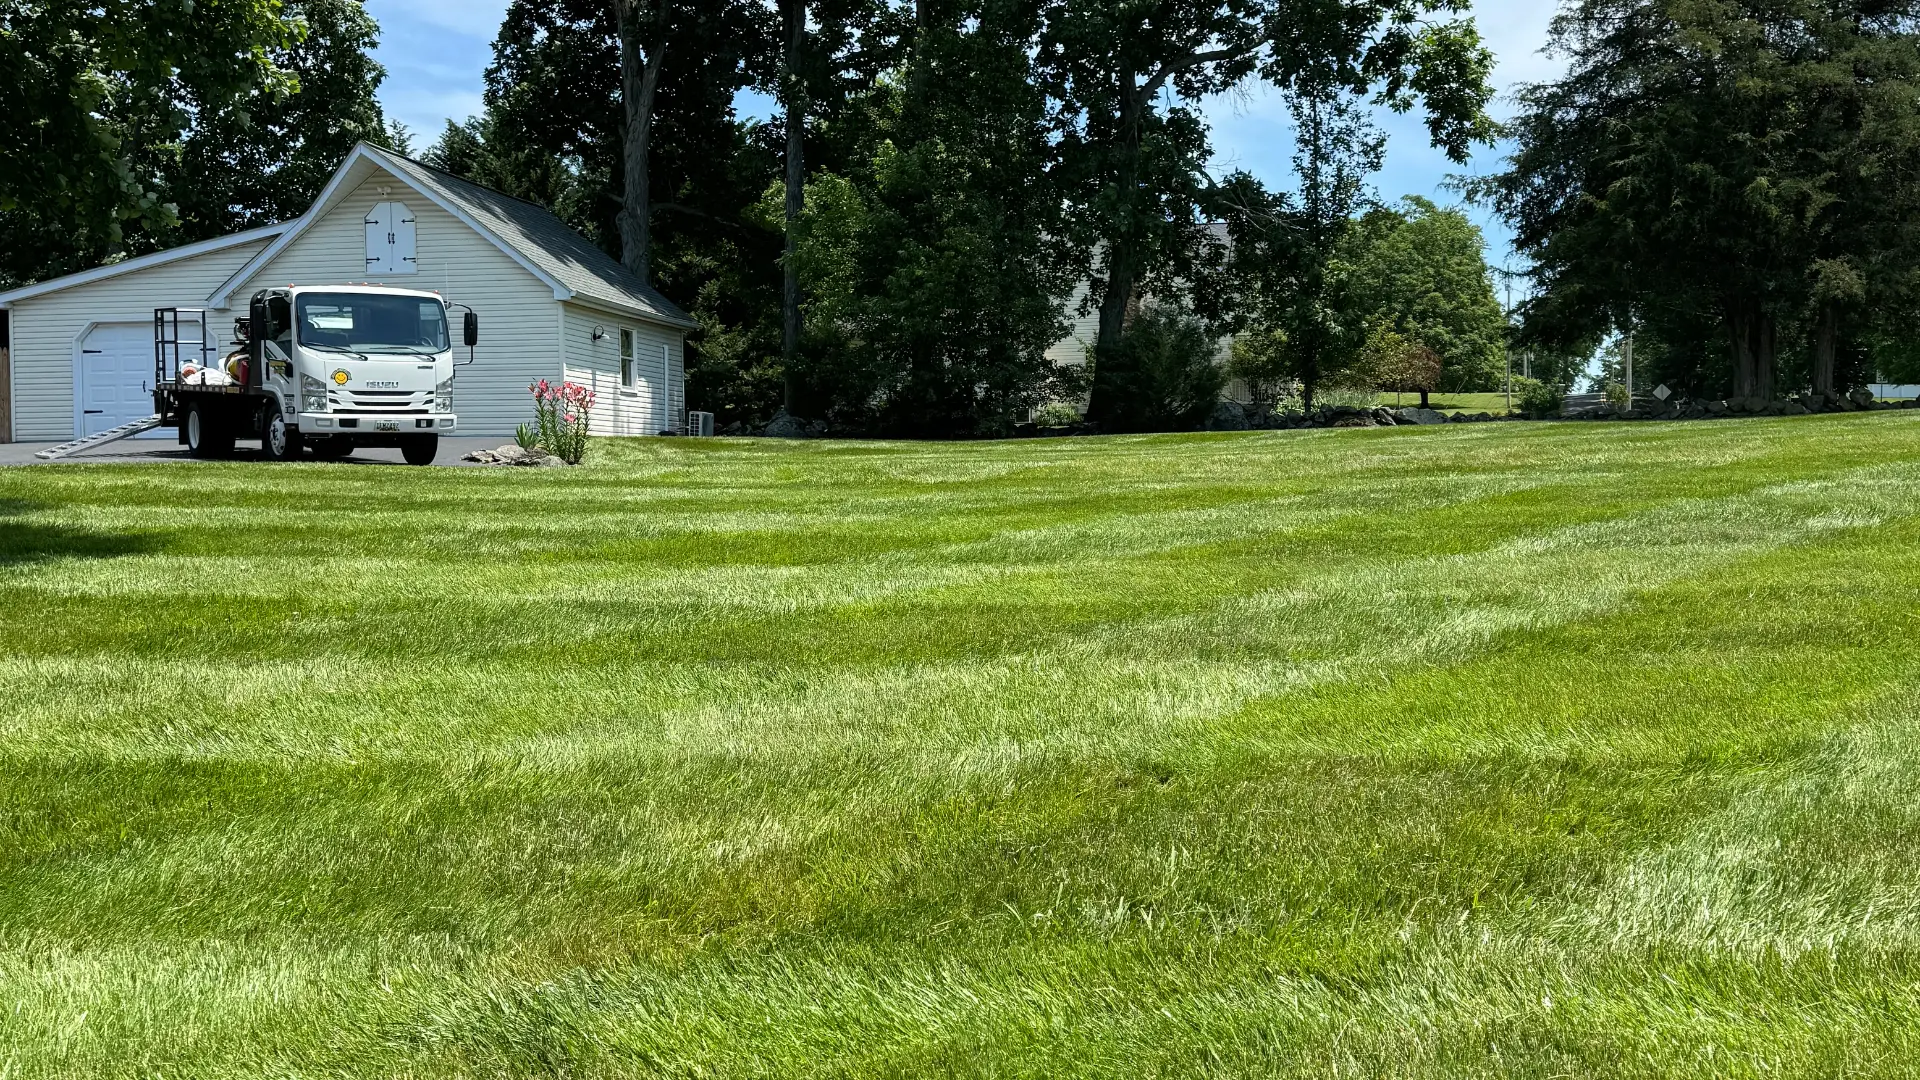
<point>143,262</point>
<point>618,307</point>
<point>329,194</point>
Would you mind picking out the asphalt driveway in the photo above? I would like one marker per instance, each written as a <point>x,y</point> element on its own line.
<point>128,451</point>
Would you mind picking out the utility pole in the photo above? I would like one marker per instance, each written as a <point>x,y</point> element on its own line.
<point>1626,362</point>
<point>1506,345</point>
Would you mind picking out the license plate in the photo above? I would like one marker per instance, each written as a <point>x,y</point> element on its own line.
<point>386,425</point>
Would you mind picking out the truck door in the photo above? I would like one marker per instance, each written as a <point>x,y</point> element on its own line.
<point>280,376</point>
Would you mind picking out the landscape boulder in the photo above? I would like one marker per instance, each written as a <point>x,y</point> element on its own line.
<point>1227,416</point>
<point>1419,416</point>
<point>785,425</point>
<point>512,454</point>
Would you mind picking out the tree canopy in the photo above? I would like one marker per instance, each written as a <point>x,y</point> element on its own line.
<point>1422,271</point>
<point>94,103</point>
<point>1744,169</point>
<point>890,238</point>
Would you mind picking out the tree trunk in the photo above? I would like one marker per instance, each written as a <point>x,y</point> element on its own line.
<point>1754,335</point>
<point>795,14</point>
<point>1423,398</point>
<point>639,84</point>
<point>1765,336</point>
<point>1825,341</point>
<point>1123,271</point>
<point>1739,321</point>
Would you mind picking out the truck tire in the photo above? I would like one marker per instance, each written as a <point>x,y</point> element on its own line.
<point>420,449</point>
<point>278,440</point>
<point>208,436</point>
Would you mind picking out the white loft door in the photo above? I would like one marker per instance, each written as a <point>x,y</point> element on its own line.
<point>391,240</point>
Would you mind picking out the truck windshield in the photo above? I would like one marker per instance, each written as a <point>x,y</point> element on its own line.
<point>369,323</point>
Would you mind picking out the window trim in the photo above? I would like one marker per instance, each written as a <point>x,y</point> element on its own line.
<point>629,344</point>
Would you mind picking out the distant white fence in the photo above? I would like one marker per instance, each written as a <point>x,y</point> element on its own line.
<point>1895,391</point>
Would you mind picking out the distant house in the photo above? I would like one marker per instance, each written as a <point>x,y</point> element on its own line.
<point>79,349</point>
<point>1083,329</point>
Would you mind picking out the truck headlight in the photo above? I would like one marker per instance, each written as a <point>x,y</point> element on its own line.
<point>443,397</point>
<point>313,394</point>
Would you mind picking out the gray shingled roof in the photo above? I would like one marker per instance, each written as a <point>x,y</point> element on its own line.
<point>546,241</point>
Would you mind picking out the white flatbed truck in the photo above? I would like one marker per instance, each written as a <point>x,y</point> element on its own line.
<point>325,369</point>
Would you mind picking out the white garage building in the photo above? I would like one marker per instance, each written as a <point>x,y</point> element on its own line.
<point>80,355</point>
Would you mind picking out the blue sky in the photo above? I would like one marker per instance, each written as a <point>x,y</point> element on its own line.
<point>436,50</point>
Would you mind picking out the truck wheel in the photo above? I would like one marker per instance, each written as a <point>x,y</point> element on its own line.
<point>207,436</point>
<point>420,449</point>
<point>278,442</point>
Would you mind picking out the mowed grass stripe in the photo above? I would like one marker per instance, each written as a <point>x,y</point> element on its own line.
<point>1438,789</point>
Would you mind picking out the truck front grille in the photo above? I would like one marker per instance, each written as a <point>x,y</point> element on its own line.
<point>396,402</point>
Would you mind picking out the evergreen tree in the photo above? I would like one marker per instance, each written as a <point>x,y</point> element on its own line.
<point>1748,166</point>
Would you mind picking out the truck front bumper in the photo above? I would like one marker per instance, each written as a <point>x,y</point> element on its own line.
<point>376,424</point>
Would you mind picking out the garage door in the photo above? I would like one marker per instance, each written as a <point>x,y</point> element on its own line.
<point>116,377</point>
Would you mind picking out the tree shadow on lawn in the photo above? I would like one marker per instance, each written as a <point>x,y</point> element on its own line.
<point>24,541</point>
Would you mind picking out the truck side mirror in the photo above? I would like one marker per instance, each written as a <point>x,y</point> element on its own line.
<point>259,320</point>
<point>471,330</point>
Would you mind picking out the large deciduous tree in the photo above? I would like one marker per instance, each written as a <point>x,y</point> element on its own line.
<point>265,157</point>
<point>93,104</point>
<point>557,131</point>
<point>1294,254</point>
<point>1130,73</point>
<point>937,265</point>
<point>1422,270</point>
<point>830,52</point>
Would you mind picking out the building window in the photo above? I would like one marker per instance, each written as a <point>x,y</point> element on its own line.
<point>626,358</point>
<point>391,240</point>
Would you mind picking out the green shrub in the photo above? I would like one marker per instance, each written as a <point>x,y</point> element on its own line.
<point>1164,377</point>
<point>1358,397</point>
<point>1056,414</point>
<point>1617,396</point>
<point>1537,399</point>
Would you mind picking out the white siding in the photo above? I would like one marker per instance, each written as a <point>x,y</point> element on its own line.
<point>660,393</point>
<point>46,328</point>
<point>519,318</point>
<point>1071,351</point>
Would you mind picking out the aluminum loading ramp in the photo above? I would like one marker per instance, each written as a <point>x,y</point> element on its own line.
<point>114,434</point>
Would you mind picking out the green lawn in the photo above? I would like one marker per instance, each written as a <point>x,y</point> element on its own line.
<point>1517,750</point>
<point>1490,403</point>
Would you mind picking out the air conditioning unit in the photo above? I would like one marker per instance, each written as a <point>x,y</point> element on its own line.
<point>700,423</point>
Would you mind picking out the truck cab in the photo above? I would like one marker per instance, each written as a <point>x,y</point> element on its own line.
<point>326,368</point>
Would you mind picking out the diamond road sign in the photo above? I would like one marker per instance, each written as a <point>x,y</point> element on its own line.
<point>1662,392</point>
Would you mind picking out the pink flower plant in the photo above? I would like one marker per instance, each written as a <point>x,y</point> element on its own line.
<point>563,413</point>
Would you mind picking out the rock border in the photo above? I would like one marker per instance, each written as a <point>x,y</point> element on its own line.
<point>1235,416</point>
<point>514,454</point>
